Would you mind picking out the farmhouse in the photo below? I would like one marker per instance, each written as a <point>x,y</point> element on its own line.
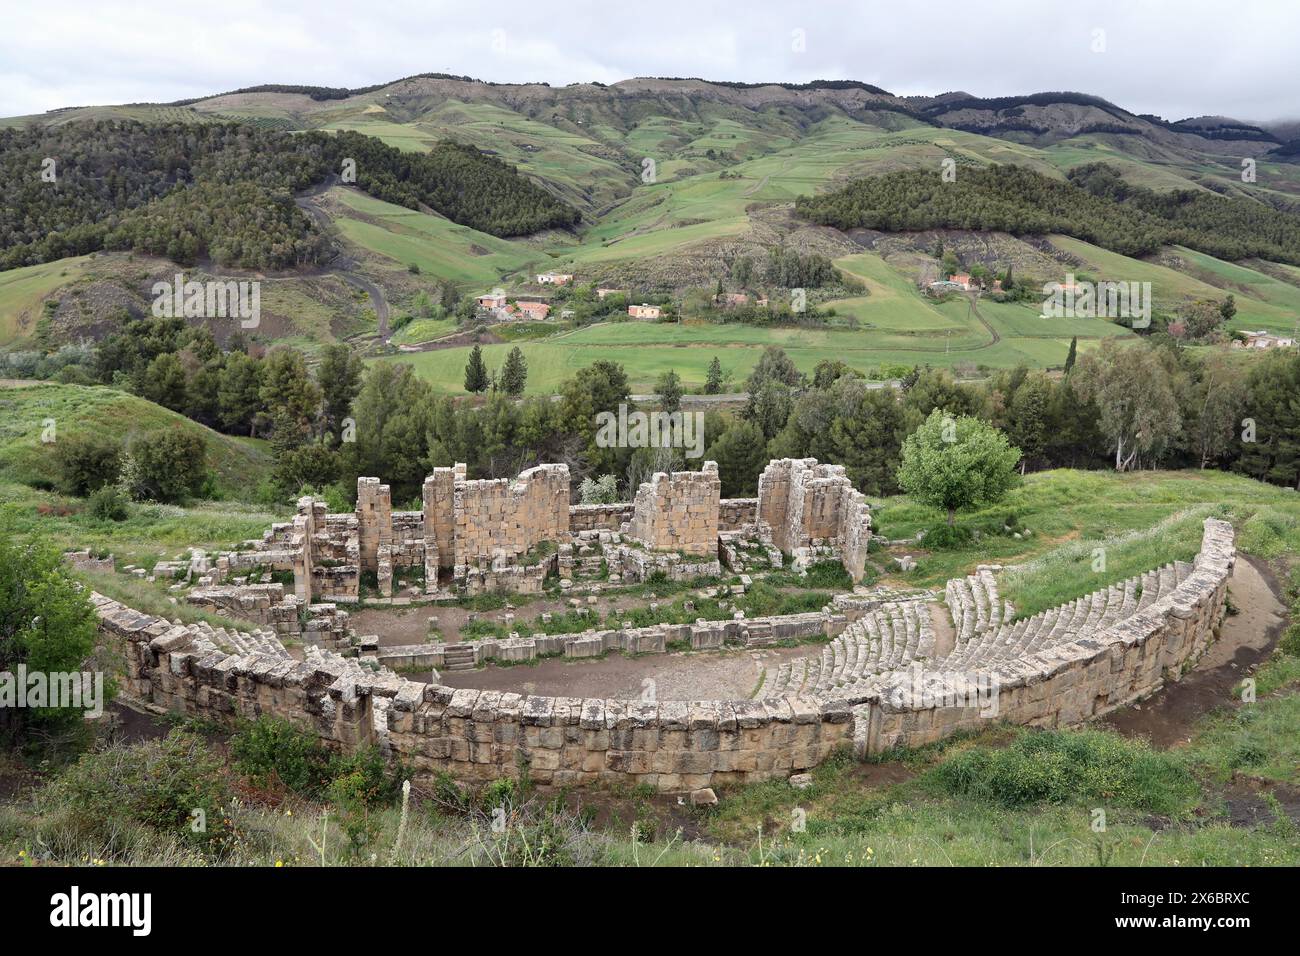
<point>493,300</point>
<point>644,311</point>
<point>963,282</point>
<point>533,310</point>
<point>554,278</point>
<point>1265,340</point>
<point>729,299</point>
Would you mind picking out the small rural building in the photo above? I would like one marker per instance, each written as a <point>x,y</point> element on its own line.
<point>533,310</point>
<point>644,311</point>
<point>491,301</point>
<point>963,282</point>
<point>1265,340</point>
<point>730,299</point>
<point>554,278</point>
<point>601,293</point>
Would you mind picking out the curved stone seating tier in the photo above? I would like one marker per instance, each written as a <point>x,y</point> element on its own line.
<point>885,638</point>
<point>873,686</point>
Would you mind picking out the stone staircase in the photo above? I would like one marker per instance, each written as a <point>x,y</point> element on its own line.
<point>458,657</point>
<point>243,642</point>
<point>896,634</point>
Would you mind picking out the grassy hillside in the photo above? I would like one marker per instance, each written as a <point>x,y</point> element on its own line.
<point>239,464</point>
<point>442,249</point>
<point>727,174</point>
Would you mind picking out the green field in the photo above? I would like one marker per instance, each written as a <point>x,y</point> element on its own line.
<point>442,249</point>
<point>239,464</point>
<point>897,326</point>
<point>23,290</point>
<point>1262,302</point>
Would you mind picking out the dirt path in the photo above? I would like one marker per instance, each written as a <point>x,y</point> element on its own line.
<point>1245,640</point>
<point>343,265</point>
<point>700,675</point>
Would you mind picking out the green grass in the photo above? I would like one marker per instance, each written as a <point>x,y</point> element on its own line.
<point>239,464</point>
<point>1143,519</point>
<point>441,248</point>
<point>23,290</point>
<point>151,533</point>
<point>423,330</point>
<point>1261,302</point>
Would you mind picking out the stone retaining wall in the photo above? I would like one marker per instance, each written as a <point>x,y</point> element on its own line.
<point>480,735</point>
<point>476,735</point>
<point>654,639</point>
<point>1070,683</point>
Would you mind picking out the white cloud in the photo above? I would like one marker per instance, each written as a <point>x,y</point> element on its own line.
<point>1177,59</point>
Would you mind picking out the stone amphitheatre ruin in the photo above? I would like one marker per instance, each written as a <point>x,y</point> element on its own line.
<point>878,672</point>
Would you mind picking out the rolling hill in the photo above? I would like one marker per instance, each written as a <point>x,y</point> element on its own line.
<point>729,161</point>
<point>238,464</point>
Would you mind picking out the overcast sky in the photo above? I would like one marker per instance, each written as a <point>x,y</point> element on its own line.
<point>1184,58</point>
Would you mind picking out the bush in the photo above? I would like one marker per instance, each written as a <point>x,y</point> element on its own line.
<point>168,465</point>
<point>271,750</point>
<point>85,462</point>
<point>946,537</point>
<point>109,504</point>
<point>46,623</point>
<point>175,787</point>
<point>1069,766</point>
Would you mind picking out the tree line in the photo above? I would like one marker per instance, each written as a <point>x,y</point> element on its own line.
<point>224,191</point>
<point>1145,404</point>
<point>1093,205</point>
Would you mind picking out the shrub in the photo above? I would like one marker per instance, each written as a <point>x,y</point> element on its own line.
<point>174,786</point>
<point>46,623</point>
<point>946,537</point>
<point>271,749</point>
<point>108,504</point>
<point>1068,766</point>
<point>85,462</point>
<point>168,465</point>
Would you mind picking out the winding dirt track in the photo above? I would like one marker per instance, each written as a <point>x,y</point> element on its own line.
<point>343,265</point>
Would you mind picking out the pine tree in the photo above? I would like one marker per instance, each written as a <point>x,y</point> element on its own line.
<point>476,373</point>
<point>1072,355</point>
<point>669,390</point>
<point>514,376</point>
<point>713,381</point>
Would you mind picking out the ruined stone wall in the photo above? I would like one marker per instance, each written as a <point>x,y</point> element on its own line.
<point>678,512</point>
<point>854,532</point>
<point>504,518</point>
<point>476,735</point>
<point>733,514</point>
<point>479,735</point>
<point>374,520</point>
<point>599,517</point>
<point>736,513</point>
<point>323,624</point>
<point>813,511</point>
<point>439,494</point>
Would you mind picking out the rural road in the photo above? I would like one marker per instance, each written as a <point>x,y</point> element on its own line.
<point>343,265</point>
